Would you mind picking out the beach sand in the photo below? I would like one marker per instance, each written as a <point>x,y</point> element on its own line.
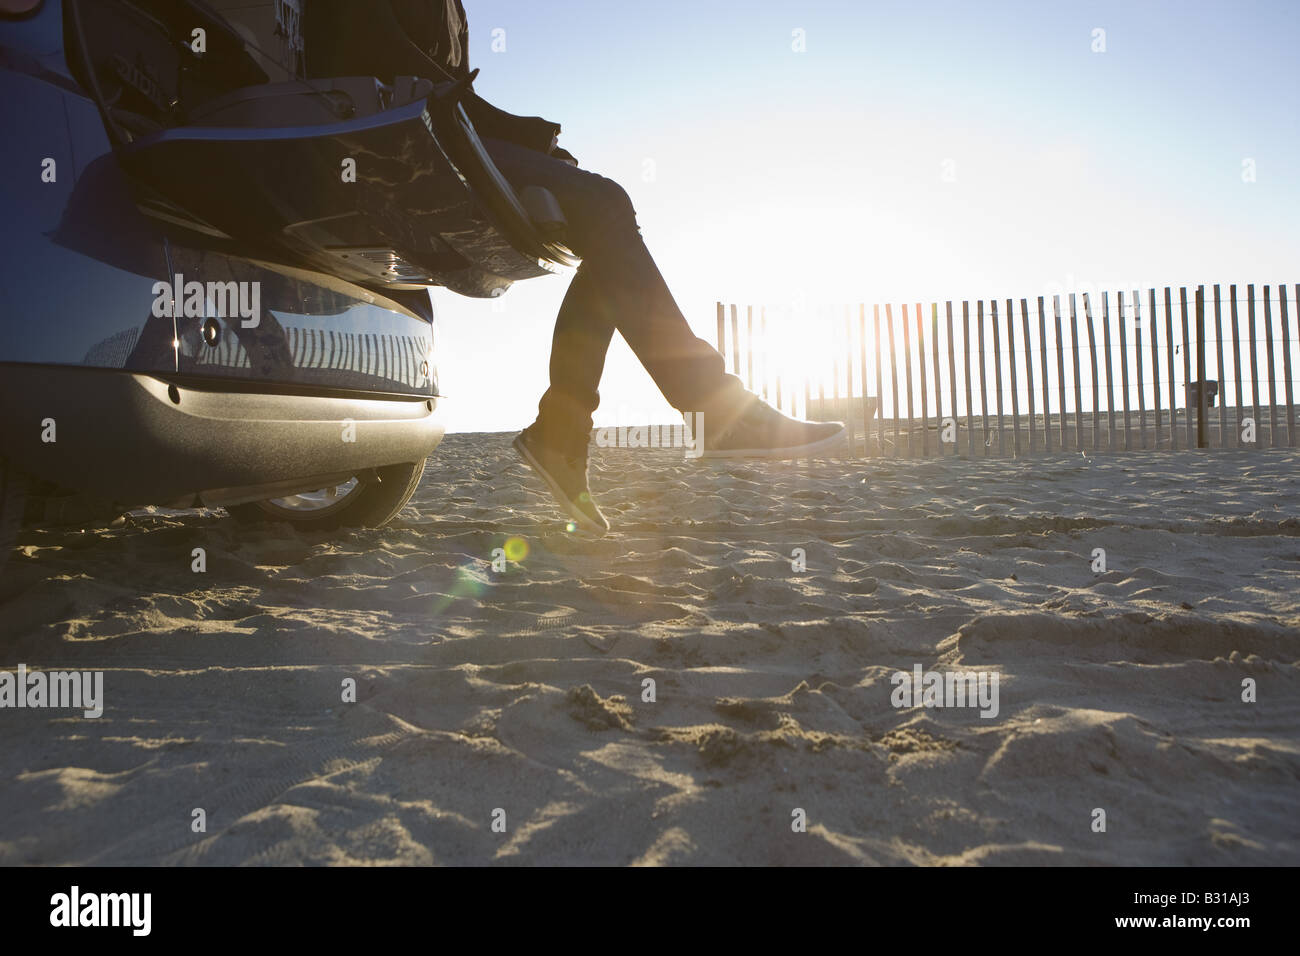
<point>518,696</point>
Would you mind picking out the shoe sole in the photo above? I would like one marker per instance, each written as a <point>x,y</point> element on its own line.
<point>800,451</point>
<point>573,511</point>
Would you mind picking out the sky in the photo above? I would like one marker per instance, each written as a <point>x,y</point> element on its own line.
<point>806,155</point>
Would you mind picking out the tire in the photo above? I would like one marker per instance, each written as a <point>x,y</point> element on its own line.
<point>13,497</point>
<point>372,502</point>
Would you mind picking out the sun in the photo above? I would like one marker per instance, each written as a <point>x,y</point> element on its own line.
<point>798,353</point>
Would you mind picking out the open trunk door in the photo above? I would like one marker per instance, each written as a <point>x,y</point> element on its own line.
<point>382,185</point>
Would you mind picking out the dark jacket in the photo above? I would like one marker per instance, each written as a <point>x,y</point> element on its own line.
<point>427,38</point>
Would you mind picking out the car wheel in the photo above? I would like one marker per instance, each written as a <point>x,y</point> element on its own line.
<point>362,502</point>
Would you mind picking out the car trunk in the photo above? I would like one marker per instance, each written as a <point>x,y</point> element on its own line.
<point>384,185</point>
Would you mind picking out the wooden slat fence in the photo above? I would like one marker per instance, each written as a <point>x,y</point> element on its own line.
<point>1014,384</point>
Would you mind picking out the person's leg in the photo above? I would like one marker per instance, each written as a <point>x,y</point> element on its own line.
<point>583,330</point>
<point>618,286</point>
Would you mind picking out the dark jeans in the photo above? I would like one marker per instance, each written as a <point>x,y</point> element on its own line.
<point>617,286</point>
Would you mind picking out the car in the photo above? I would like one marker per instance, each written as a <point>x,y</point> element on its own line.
<point>215,271</point>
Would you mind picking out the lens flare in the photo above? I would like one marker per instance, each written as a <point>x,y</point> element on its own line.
<point>516,549</point>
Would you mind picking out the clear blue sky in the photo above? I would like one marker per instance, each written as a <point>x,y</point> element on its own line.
<point>913,151</point>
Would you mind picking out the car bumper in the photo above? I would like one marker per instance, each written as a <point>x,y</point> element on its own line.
<point>136,439</point>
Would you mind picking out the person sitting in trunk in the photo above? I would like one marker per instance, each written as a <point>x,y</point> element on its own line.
<point>617,286</point>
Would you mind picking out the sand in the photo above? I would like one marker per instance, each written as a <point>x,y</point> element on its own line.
<point>518,696</point>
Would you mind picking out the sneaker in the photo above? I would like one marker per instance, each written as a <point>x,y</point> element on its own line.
<point>566,476</point>
<point>761,431</point>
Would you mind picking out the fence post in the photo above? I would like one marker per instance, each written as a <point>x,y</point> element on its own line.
<point>984,389</point>
<point>893,371</point>
<point>952,380</point>
<point>970,412</point>
<point>1202,401</point>
<point>907,358</point>
<point>1060,369</point>
<point>1110,382</point>
<point>1223,378</point>
<point>920,366</point>
<point>1047,385</point>
<point>1187,365</point>
<point>938,380</point>
<point>1155,363</point>
<point>1011,364</point>
<point>1169,367</point>
<point>1123,371</point>
<point>1092,357</point>
<point>1236,365</point>
<point>1078,376</point>
<point>1029,368</point>
<point>1286,365</point>
<point>1268,355</point>
<point>997,377</point>
<point>1137,350</point>
<point>735,342</point>
<point>1254,358</point>
<point>880,388</point>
